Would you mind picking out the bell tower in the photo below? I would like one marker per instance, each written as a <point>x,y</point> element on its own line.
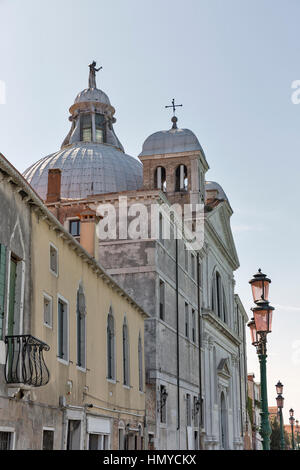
<point>174,162</point>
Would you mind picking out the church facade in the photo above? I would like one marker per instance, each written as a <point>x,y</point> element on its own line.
<point>195,356</point>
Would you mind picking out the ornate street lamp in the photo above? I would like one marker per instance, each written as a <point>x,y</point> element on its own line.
<point>279,388</point>
<point>260,286</point>
<point>260,326</point>
<point>292,419</point>
<point>280,400</point>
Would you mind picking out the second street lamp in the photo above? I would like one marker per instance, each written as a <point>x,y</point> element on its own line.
<point>260,326</point>
<point>292,419</point>
<point>280,400</point>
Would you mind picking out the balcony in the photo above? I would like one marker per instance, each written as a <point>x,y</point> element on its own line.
<point>25,362</point>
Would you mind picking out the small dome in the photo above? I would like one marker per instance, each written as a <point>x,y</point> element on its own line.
<point>213,186</point>
<point>171,141</point>
<point>92,94</point>
<point>87,169</point>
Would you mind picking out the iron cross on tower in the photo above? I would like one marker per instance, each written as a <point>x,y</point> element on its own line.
<point>174,118</point>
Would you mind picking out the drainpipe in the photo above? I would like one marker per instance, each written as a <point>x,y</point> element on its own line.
<point>177,327</point>
<point>199,349</point>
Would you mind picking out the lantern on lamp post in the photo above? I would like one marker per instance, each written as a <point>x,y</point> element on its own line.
<point>292,419</point>
<point>260,286</point>
<point>260,326</point>
<point>280,400</point>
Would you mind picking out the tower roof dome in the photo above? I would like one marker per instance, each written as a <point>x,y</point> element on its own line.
<point>173,140</point>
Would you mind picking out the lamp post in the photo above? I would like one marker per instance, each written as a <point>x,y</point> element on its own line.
<point>292,419</point>
<point>297,434</point>
<point>280,400</point>
<point>260,326</point>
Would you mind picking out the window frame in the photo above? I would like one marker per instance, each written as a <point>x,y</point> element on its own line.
<point>50,299</point>
<point>186,320</point>
<point>72,220</point>
<point>80,367</point>
<point>55,273</point>
<point>66,302</point>
<point>47,428</point>
<point>140,363</point>
<point>126,371</point>
<point>12,431</point>
<point>162,296</point>
<point>111,379</point>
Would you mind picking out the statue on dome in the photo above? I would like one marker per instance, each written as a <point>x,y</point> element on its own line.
<point>92,76</point>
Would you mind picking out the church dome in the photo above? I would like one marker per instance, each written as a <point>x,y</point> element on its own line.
<point>87,168</point>
<point>217,189</point>
<point>92,159</point>
<point>173,140</point>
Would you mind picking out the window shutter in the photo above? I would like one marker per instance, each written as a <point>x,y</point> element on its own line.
<point>65,332</point>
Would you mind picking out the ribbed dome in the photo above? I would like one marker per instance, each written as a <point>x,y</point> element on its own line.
<point>171,141</point>
<point>87,168</point>
<point>213,186</point>
<point>91,159</point>
<point>92,94</point>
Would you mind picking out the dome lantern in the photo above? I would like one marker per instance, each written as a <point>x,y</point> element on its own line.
<point>92,159</point>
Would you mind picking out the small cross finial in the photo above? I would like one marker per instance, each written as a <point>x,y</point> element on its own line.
<point>174,118</point>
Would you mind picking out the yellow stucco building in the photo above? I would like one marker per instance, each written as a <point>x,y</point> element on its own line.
<point>88,390</point>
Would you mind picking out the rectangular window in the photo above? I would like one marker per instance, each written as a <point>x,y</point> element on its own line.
<point>12,296</point>
<point>81,319</point>
<point>193,266</point>
<point>74,434</point>
<point>100,128</point>
<point>161,300</point>
<point>86,127</point>
<point>98,441</point>
<point>188,410</point>
<point>160,228</point>
<point>193,326</point>
<point>121,439</point>
<point>163,404</point>
<point>186,258</point>
<point>63,330</point>
<point>48,439</point>
<point>48,310</point>
<point>2,286</point>
<point>53,260</point>
<point>74,228</point>
<point>6,440</point>
<point>186,320</point>
<point>196,414</point>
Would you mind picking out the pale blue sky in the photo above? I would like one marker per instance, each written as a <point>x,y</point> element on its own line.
<point>231,63</point>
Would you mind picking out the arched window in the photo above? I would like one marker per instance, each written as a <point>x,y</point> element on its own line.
<point>99,128</point>
<point>81,314</point>
<point>218,303</point>
<point>140,358</point>
<point>224,316</point>
<point>86,127</point>
<point>160,181</point>
<point>125,353</point>
<point>223,422</point>
<point>110,346</point>
<point>218,293</point>
<point>181,178</point>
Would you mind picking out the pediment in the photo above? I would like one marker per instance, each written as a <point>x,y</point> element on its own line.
<point>219,220</point>
<point>223,368</point>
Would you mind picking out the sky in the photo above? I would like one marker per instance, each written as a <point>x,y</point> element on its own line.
<point>231,64</point>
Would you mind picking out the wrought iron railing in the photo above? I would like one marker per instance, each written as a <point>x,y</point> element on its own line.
<point>25,361</point>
